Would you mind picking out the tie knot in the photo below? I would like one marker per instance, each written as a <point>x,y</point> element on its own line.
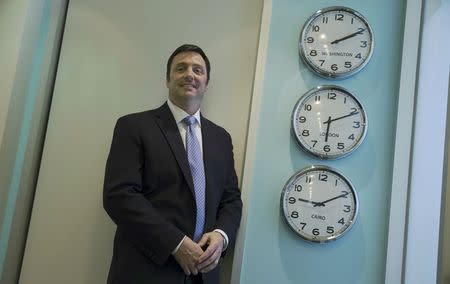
<point>189,120</point>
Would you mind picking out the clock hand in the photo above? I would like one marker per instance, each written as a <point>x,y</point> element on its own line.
<point>359,32</point>
<point>328,122</point>
<point>331,199</point>
<point>309,201</point>
<point>341,117</point>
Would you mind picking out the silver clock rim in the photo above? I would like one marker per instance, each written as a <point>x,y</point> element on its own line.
<point>296,134</point>
<point>308,169</point>
<point>325,74</point>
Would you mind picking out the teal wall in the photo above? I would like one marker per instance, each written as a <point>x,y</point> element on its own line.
<point>272,252</point>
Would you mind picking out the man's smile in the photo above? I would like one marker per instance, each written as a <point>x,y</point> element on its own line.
<point>189,86</point>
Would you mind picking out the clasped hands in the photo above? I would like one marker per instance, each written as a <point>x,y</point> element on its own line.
<point>193,259</point>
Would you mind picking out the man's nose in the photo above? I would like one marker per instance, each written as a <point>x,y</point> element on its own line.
<point>189,74</point>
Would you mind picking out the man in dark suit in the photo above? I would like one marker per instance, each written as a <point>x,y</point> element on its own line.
<point>170,185</point>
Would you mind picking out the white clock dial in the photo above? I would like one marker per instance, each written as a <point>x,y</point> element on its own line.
<point>329,122</point>
<point>319,204</point>
<point>336,42</point>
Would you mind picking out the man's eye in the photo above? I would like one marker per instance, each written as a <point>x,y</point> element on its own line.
<point>179,68</point>
<point>198,70</point>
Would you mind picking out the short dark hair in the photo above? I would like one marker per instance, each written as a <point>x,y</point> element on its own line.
<point>188,48</point>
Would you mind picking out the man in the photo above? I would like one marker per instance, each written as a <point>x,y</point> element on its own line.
<point>170,185</point>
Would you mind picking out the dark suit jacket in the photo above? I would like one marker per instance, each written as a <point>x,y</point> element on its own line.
<point>149,194</point>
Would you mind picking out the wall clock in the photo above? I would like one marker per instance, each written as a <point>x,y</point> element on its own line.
<point>329,122</point>
<point>319,204</point>
<point>336,42</point>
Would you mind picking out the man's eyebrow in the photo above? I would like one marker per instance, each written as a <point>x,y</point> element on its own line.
<point>184,64</point>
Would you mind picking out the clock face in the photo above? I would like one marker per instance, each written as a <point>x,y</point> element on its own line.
<point>336,42</point>
<point>329,122</point>
<point>319,204</point>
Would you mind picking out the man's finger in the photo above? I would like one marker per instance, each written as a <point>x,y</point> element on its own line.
<point>210,266</point>
<point>203,241</point>
<point>214,257</point>
<point>194,271</point>
<point>207,254</point>
<point>186,270</point>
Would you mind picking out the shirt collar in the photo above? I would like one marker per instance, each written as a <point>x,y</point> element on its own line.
<point>179,114</point>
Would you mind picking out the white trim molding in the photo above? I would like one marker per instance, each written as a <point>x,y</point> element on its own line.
<point>427,160</point>
<point>403,144</point>
<point>251,137</point>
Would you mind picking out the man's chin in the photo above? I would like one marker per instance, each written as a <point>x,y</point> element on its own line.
<point>192,95</point>
<point>186,97</point>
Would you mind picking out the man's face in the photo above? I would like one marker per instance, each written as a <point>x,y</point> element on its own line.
<point>188,80</point>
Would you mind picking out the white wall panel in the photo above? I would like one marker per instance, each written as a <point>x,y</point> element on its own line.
<point>113,62</point>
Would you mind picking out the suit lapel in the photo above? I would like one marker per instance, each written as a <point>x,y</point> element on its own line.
<point>208,151</point>
<point>168,126</point>
<point>208,154</point>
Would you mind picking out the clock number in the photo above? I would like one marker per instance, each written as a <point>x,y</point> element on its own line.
<point>323,177</point>
<point>341,221</point>
<point>291,200</point>
<point>326,148</point>
<point>315,232</point>
<point>363,43</point>
<point>317,98</point>
<point>339,17</point>
<point>358,56</point>
<point>347,208</point>
<point>308,179</point>
<point>340,146</point>
<point>325,20</point>
<point>335,182</point>
<point>352,21</point>
<point>305,132</point>
<point>330,229</point>
<point>354,110</point>
<point>313,52</point>
<point>331,96</point>
<point>302,119</point>
<point>308,107</point>
<point>344,193</point>
<point>294,214</point>
<point>310,39</point>
<point>298,187</point>
<point>348,64</point>
<point>334,67</point>
<point>345,100</point>
<point>315,28</point>
<point>352,137</point>
<point>321,62</point>
<point>357,124</point>
<point>303,225</point>
<point>314,142</point>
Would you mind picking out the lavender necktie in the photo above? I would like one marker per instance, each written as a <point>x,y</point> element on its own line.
<point>194,155</point>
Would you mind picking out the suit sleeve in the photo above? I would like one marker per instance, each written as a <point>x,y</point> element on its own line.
<point>123,199</point>
<point>230,207</point>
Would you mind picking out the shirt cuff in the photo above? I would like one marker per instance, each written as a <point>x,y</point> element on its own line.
<point>178,246</point>
<point>225,238</point>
